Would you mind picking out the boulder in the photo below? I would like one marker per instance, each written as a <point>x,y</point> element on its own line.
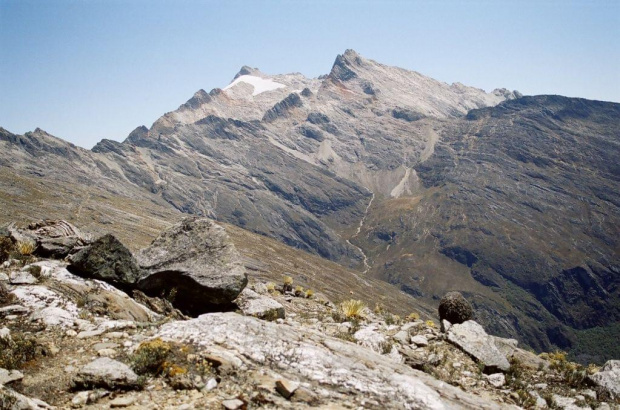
<point>106,373</point>
<point>508,347</point>
<point>263,307</point>
<point>106,259</point>
<point>608,378</point>
<point>53,238</point>
<point>470,337</point>
<point>454,308</point>
<point>196,261</point>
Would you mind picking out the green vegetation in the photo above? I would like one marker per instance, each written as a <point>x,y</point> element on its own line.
<point>596,345</point>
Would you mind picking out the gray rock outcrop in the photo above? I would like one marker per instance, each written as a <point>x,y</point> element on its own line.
<point>317,360</point>
<point>106,373</point>
<point>52,238</point>
<point>262,307</point>
<point>197,259</point>
<point>454,308</point>
<point>470,337</point>
<point>608,378</point>
<point>106,259</point>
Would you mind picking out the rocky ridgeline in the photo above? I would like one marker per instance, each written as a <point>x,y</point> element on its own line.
<point>71,338</point>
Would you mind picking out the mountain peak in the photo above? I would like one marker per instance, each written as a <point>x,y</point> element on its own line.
<point>247,70</point>
<point>343,68</point>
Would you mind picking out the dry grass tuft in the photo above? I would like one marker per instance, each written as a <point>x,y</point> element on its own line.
<point>352,309</point>
<point>25,248</point>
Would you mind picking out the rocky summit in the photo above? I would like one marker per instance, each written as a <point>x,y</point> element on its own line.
<point>370,183</point>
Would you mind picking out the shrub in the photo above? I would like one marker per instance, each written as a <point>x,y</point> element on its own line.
<point>309,293</point>
<point>16,350</point>
<point>6,248</point>
<point>287,286</point>
<point>271,287</point>
<point>352,308</point>
<point>379,308</point>
<point>150,357</point>
<point>413,316</point>
<point>430,323</point>
<point>299,291</point>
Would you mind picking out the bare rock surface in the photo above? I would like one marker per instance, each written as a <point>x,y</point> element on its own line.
<point>472,338</point>
<point>254,304</point>
<point>608,378</point>
<point>197,259</point>
<point>317,359</point>
<point>107,373</point>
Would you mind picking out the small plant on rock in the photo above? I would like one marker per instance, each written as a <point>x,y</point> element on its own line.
<point>287,286</point>
<point>352,309</point>
<point>430,323</point>
<point>413,316</point>
<point>150,357</point>
<point>25,248</point>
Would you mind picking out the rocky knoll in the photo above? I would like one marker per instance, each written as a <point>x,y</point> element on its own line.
<point>122,354</point>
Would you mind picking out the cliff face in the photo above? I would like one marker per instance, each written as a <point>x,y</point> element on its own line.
<point>429,186</point>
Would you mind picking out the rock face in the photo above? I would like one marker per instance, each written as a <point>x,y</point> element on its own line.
<point>472,339</point>
<point>322,361</point>
<point>454,308</point>
<point>197,259</point>
<point>106,373</point>
<point>608,378</point>
<point>52,238</point>
<point>109,260</point>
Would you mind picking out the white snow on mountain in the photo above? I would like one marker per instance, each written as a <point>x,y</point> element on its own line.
<point>260,85</point>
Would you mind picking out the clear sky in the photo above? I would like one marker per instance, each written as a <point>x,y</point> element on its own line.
<point>84,70</point>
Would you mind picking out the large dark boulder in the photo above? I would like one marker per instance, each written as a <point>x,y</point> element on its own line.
<point>195,264</point>
<point>454,308</point>
<point>109,260</point>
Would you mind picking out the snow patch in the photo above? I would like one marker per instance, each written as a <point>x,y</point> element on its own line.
<point>260,85</point>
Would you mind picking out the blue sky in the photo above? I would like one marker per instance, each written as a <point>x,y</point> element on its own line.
<point>87,70</point>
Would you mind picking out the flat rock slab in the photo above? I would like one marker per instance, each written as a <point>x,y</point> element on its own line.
<point>198,260</point>
<point>470,337</point>
<point>106,373</point>
<point>263,307</point>
<point>8,376</point>
<point>312,357</point>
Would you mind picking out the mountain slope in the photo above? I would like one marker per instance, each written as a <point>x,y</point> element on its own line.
<point>429,186</point>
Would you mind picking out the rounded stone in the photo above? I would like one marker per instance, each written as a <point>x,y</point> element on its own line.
<point>454,308</point>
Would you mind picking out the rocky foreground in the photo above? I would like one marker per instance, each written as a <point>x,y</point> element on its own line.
<point>71,338</point>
